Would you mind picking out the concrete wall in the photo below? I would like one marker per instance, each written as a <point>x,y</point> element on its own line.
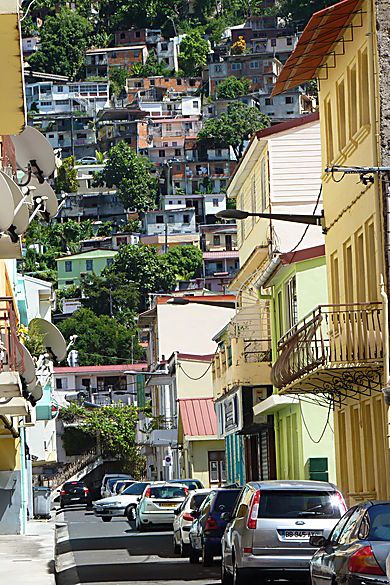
<point>198,458</point>
<point>189,388</point>
<point>10,502</point>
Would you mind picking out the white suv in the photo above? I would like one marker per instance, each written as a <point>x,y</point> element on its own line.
<point>158,504</point>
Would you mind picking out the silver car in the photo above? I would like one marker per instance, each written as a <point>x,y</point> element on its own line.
<point>269,530</point>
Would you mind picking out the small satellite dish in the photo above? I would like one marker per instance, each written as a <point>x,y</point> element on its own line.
<point>53,338</point>
<point>33,150</point>
<point>28,372</point>
<point>9,249</point>
<point>7,204</point>
<point>37,392</point>
<point>42,193</point>
<point>21,218</point>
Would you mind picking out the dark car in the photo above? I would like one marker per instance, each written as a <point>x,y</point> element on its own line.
<point>75,493</point>
<point>192,484</point>
<point>209,525</point>
<point>357,548</point>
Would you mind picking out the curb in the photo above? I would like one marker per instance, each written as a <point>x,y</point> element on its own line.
<point>64,559</point>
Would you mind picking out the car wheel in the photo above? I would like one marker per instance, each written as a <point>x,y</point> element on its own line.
<point>194,556</point>
<point>130,513</point>
<point>207,557</point>
<point>176,547</point>
<point>184,550</point>
<point>237,575</point>
<point>226,578</point>
<point>106,518</point>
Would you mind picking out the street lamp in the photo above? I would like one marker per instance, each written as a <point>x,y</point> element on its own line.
<point>296,218</point>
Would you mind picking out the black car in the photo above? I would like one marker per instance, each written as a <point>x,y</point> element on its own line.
<point>75,493</point>
<point>357,548</point>
<point>209,525</point>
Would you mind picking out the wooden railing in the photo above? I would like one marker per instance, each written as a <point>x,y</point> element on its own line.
<point>11,349</point>
<point>332,336</point>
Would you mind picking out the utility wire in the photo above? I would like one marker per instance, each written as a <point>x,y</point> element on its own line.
<point>324,429</point>
<point>306,228</point>
<point>199,378</point>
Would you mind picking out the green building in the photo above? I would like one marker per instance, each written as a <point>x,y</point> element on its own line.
<point>304,435</point>
<point>71,268</point>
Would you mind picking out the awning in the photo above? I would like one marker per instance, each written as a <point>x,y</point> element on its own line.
<point>273,404</point>
<point>323,31</point>
<point>198,417</point>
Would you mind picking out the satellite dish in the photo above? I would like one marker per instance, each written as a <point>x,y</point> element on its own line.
<point>7,204</point>
<point>53,338</point>
<point>28,372</point>
<point>37,392</point>
<point>33,151</point>
<point>42,191</point>
<point>21,219</point>
<point>8,248</point>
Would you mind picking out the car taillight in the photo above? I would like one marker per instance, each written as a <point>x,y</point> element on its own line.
<point>187,516</point>
<point>211,524</point>
<point>62,492</point>
<point>363,561</point>
<point>252,518</point>
<point>186,491</point>
<point>341,503</point>
<point>86,490</point>
<point>148,492</point>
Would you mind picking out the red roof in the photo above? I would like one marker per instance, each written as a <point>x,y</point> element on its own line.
<point>220,254</point>
<point>199,299</point>
<point>100,369</point>
<point>323,31</point>
<point>198,417</point>
<point>195,357</point>
<point>306,254</point>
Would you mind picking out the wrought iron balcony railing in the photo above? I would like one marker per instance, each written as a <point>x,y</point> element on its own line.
<point>331,337</point>
<point>11,349</point>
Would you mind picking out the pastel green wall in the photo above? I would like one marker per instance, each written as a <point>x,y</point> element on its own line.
<point>79,265</point>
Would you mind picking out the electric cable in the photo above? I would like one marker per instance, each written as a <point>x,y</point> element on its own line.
<point>307,430</point>
<point>306,228</point>
<point>200,377</point>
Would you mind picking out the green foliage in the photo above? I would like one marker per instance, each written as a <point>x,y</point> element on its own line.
<point>185,261</point>
<point>234,127</point>
<point>151,68</point>
<point>66,179</point>
<point>105,229</point>
<point>72,413</point>
<point>298,13</point>
<point>77,441</point>
<point>193,53</point>
<point>133,176</point>
<point>144,267</point>
<point>101,339</point>
<point>33,339</point>
<point>118,77</point>
<point>231,88</point>
<point>64,39</point>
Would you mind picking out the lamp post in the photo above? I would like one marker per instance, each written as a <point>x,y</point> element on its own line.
<point>295,218</point>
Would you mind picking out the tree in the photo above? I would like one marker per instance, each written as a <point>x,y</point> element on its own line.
<point>66,179</point>
<point>151,68</point>
<point>239,47</point>
<point>64,39</point>
<point>232,88</point>
<point>118,77</point>
<point>297,13</point>
<point>132,175</point>
<point>193,53</point>
<point>185,261</point>
<point>101,339</point>
<point>234,127</point>
<point>144,267</point>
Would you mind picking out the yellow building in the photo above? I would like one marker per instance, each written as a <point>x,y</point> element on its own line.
<point>340,352</point>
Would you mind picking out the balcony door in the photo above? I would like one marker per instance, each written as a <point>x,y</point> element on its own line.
<point>217,468</point>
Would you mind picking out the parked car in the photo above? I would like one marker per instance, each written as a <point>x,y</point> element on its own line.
<point>209,525</point>
<point>356,550</point>
<point>108,482</point>
<point>184,518</point>
<point>123,504</point>
<point>269,529</point>
<point>120,485</point>
<point>87,160</point>
<point>192,484</point>
<point>75,492</point>
<point>158,504</point>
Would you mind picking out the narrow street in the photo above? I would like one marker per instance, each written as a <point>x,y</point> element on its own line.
<point>116,554</point>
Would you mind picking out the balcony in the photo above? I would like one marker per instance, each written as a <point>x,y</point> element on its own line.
<point>332,350</point>
<point>11,351</point>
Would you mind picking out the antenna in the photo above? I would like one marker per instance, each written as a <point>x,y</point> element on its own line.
<point>28,373</point>
<point>42,195</point>
<point>20,221</point>
<point>34,153</point>
<point>7,204</point>
<point>9,248</point>
<point>53,338</point>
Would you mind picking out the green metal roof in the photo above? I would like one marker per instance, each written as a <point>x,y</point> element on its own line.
<point>90,254</point>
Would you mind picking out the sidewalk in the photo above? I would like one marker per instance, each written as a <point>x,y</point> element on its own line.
<point>29,559</point>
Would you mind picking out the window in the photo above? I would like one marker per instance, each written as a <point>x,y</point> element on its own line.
<point>123,36</point>
<point>364,89</point>
<point>273,42</point>
<point>291,303</point>
<point>109,261</point>
<point>371,264</point>
<point>360,271</point>
<point>289,41</point>
<point>164,46</point>
<point>289,99</point>
<point>186,218</point>
<point>60,88</point>
<point>254,65</point>
<point>334,264</point>
<point>269,101</point>
<point>68,265</point>
<point>178,81</point>
<point>348,273</point>
<point>168,127</point>
<point>218,68</point>
<point>236,66</point>
<point>216,240</point>
<point>137,34</point>
<point>215,202</point>
<point>152,82</point>
<point>328,131</point>
<point>89,265</point>
<point>68,282</point>
<point>177,152</point>
<point>159,219</point>
<point>113,55</point>
<point>161,153</point>
<point>219,266</point>
<point>379,522</point>
<point>341,119</point>
<point>353,120</point>
<point>179,202</point>
<point>195,104</point>
<point>294,504</point>
<point>347,534</point>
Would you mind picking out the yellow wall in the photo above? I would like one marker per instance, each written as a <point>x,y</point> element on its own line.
<point>197,457</point>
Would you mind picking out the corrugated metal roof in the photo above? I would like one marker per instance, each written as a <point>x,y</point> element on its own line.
<point>222,254</point>
<point>100,369</point>
<point>198,417</point>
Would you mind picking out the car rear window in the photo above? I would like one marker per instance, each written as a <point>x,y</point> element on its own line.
<point>225,501</point>
<point>167,492</point>
<point>74,484</point>
<point>298,504</point>
<point>197,500</point>
<point>379,522</point>
<point>135,490</point>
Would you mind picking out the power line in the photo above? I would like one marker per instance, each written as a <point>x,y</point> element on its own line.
<point>199,378</point>
<point>306,228</point>
<point>324,429</point>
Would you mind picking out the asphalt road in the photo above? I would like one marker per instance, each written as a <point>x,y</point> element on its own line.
<point>114,553</point>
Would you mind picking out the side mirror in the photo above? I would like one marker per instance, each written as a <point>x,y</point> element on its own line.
<point>225,516</point>
<point>317,541</point>
<point>138,499</point>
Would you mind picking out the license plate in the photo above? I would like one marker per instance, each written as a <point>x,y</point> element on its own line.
<point>301,534</point>
<point>75,499</point>
<point>167,505</point>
